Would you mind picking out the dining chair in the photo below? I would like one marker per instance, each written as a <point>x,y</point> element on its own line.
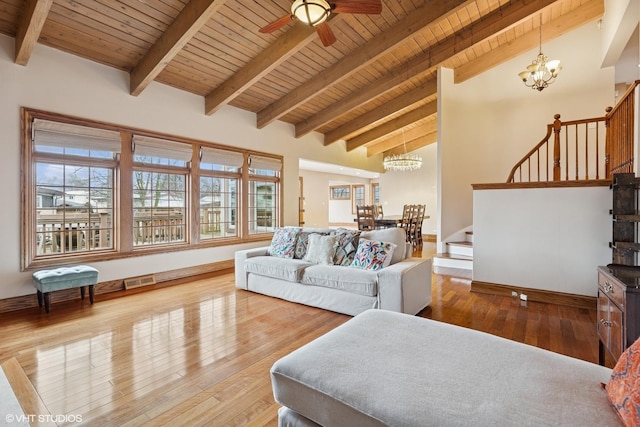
<point>365,217</point>
<point>417,226</point>
<point>378,211</point>
<point>405,223</point>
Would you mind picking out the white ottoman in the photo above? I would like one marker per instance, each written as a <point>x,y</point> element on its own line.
<point>393,369</point>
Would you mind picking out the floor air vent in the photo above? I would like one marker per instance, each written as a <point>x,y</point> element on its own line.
<point>138,282</point>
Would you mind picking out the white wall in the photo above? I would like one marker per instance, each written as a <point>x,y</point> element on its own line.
<point>61,83</point>
<point>396,190</point>
<point>416,187</point>
<point>489,122</point>
<point>545,238</point>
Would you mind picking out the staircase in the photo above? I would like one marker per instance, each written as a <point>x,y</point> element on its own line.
<point>459,254</point>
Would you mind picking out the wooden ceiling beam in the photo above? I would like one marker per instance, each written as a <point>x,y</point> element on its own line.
<point>31,22</point>
<point>418,94</point>
<point>388,145</point>
<point>354,61</point>
<point>587,12</point>
<point>282,49</point>
<point>188,22</point>
<point>413,145</point>
<point>386,128</point>
<point>494,23</point>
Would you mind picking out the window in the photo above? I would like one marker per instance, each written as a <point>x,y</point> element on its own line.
<point>375,193</point>
<point>71,209</point>
<point>219,176</point>
<point>264,193</point>
<point>357,199</point>
<point>160,174</point>
<point>95,191</point>
<point>340,192</point>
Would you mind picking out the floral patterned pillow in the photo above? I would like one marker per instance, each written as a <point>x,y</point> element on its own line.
<point>373,255</point>
<point>623,388</point>
<point>283,242</point>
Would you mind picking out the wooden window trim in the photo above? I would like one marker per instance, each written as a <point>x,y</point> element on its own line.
<point>343,188</point>
<point>123,206</point>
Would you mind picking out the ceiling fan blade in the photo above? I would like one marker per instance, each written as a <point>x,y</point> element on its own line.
<point>369,7</point>
<point>277,24</point>
<point>326,34</point>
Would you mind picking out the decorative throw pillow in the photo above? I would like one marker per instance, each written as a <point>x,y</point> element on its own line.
<point>623,388</point>
<point>321,249</point>
<point>373,255</point>
<point>283,242</point>
<point>346,246</point>
<point>303,242</point>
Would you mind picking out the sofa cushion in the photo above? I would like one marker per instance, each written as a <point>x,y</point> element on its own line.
<point>345,278</point>
<point>346,246</point>
<point>321,249</point>
<point>396,236</point>
<point>302,243</point>
<point>623,389</point>
<point>279,268</point>
<point>373,255</point>
<point>283,242</point>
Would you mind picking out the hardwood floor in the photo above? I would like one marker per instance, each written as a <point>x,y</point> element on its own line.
<point>199,353</point>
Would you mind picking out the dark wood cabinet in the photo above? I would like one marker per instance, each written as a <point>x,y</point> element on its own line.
<point>619,282</point>
<point>618,319</point>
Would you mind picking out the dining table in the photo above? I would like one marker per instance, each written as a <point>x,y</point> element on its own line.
<point>388,221</point>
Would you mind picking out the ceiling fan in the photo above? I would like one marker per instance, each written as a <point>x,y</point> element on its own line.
<point>316,12</point>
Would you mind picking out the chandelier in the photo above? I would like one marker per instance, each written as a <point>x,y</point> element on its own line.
<point>542,72</point>
<point>402,162</point>
<point>311,12</point>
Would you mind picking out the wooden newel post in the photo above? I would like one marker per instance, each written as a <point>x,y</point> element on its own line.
<point>556,147</point>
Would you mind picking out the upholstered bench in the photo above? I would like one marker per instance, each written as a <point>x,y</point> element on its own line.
<point>79,276</point>
<point>383,368</point>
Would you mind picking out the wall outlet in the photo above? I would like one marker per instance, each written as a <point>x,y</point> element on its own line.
<point>523,297</point>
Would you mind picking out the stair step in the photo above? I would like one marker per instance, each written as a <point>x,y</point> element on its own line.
<point>466,244</point>
<point>450,260</point>
<point>460,248</point>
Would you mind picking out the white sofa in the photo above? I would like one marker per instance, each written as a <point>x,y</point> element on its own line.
<point>390,369</point>
<point>403,286</point>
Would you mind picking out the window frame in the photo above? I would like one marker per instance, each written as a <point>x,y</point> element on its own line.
<point>355,202</point>
<point>340,192</point>
<point>123,221</point>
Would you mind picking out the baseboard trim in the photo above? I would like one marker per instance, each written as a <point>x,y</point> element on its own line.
<point>537,295</point>
<point>163,279</point>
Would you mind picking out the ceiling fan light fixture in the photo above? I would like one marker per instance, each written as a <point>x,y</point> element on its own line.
<point>311,12</point>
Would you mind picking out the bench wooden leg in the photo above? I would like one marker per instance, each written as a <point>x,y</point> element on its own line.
<point>91,293</point>
<point>47,301</point>
<point>39,299</point>
<point>82,292</point>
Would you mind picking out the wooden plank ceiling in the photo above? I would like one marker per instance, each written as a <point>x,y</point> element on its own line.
<point>375,87</point>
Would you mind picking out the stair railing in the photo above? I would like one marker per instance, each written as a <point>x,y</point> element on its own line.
<point>585,149</point>
<point>620,133</point>
<point>573,150</point>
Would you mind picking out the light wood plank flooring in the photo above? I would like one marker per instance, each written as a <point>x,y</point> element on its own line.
<point>199,353</point>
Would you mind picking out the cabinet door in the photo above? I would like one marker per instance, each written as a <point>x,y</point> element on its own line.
<point>616,344</point>
<point>603,319</point>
